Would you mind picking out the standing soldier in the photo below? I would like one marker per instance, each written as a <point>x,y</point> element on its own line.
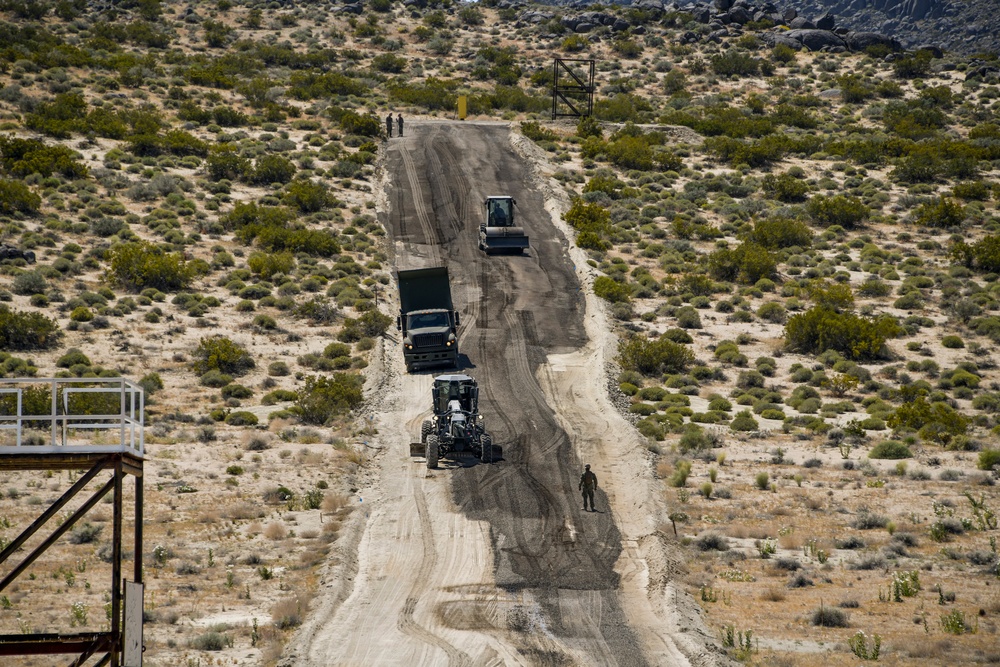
<point>388,125</point>
<point>588,482</point>
<point>399,124</point>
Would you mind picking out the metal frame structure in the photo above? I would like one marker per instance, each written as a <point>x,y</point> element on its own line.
<point>72,424</point>
<point>577,92</point>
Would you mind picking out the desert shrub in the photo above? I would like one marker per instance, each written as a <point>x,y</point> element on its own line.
<point>211,641</point>
<point>236,391</point>
<point>712,542</point>
<point>781,232</point>
<point>592,221</point>
<point>735,63</point>
<point>15,196</point>
<point>829,617</point>
<point>784,187</point>
<point>941,212</point>
<point>772,311</point>
<point>653,357</point>
<point>308,196</point>
<point>267,264</point>
<point>744,421</point>
<point>371,324</point>
<point>952,342</point>
<point>224,162</point>
<point>353,123</point>
<point>611,290</point>
<point>221,354</point>
<point>21,330</point>
<point>85,533</point>
<point>688,318</point>
<point>935,421</point>
<point>22,157</point>
<point>241,418</point>
<point>621,108</point>
<point>140,265</point>
<point>890,449</point>
<point>858,338</point>
<point>747,263</point>
<point>324,398</point>
<point>215,379</point>
<point>272,169</point>
<point>151,383</point>
<point>911,66</point>
<point>846,211</point>
<point>989,459</point>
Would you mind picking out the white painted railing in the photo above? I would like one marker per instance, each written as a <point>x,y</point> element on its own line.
<point>66,415</point>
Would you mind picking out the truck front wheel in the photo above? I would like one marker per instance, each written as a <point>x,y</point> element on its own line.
<point>426,428</point>
<point>432,451</point>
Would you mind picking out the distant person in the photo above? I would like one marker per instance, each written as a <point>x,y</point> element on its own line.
<point>588,483</point>
<point>388,125</point>
<point>399,124</point>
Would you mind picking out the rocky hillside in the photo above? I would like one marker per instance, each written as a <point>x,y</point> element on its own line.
<point>964,26</point>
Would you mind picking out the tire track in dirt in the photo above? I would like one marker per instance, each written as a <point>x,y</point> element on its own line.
<point>425,574</point>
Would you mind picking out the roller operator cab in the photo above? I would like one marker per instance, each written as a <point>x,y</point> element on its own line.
<point>427,319</point>
<point>456,426</point>
<point>498,231</point>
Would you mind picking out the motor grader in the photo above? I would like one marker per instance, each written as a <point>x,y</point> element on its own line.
<point>456,426</point>
<point>498,233</point>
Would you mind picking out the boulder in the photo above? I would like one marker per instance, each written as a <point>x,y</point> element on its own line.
<point>621,25</point>
<point>740,15</point>
<point>826,22</point>
<point>789,15</point>
<point>722,5</point>
<point>859,41</point>
<point>583,26</point>
<point>773,39</point>
<point>11,252</point>
<point>801,23</point>
<point>654,6</point>
<point>702,15</point>
<point>935,51</point>
<point>814,40</point>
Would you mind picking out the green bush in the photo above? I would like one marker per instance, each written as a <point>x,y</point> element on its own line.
<point>308,196</point>
<point>221,354</point>
<point>989,459</point>
<point>890,449</point>
<point>225,163</point>
<point>28,283</point>
<point>736,63</point>
<point>611,290</point>
<point>26,330</point>
<point>241,418</point>
<point>936,421</point>
<point>267,264</point>
<point>590,219</point>
<point>747,263</point>
<point>846,211</point>
<point>744,421</point>
<point>858,338</point>
<point>15,196</point>
<point>780,232</point>
<point>215,379</point>
<point>952,342</point>
<point>272,169</point>
<point>784,187</point>
<point>653,357</point>
<point>325,398</point>
<point>942,212</point>
<point>236,391</point>
<point>371,324</point>
<point>140,265</point>
<point>22,157</point>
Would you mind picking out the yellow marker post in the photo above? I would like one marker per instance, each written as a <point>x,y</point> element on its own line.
<point>462,110</point>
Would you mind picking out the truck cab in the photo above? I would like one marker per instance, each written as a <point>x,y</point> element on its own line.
<point>427,319</point>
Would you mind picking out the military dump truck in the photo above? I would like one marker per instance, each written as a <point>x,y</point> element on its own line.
<point>498,232</point>
<point>456,427</point>
<point>427,318</point>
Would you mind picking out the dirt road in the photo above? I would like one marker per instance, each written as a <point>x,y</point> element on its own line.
<point>498,564</point>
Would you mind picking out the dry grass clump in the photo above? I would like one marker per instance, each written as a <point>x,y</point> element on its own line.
<point>288,613</point>
<point>275,531</point>
<point>333,503</point>
<point>773,594</point>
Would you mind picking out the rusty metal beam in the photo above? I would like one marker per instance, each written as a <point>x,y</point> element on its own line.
<point>116,567</point>
<point>44,644</point>
<point>59,532</point>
